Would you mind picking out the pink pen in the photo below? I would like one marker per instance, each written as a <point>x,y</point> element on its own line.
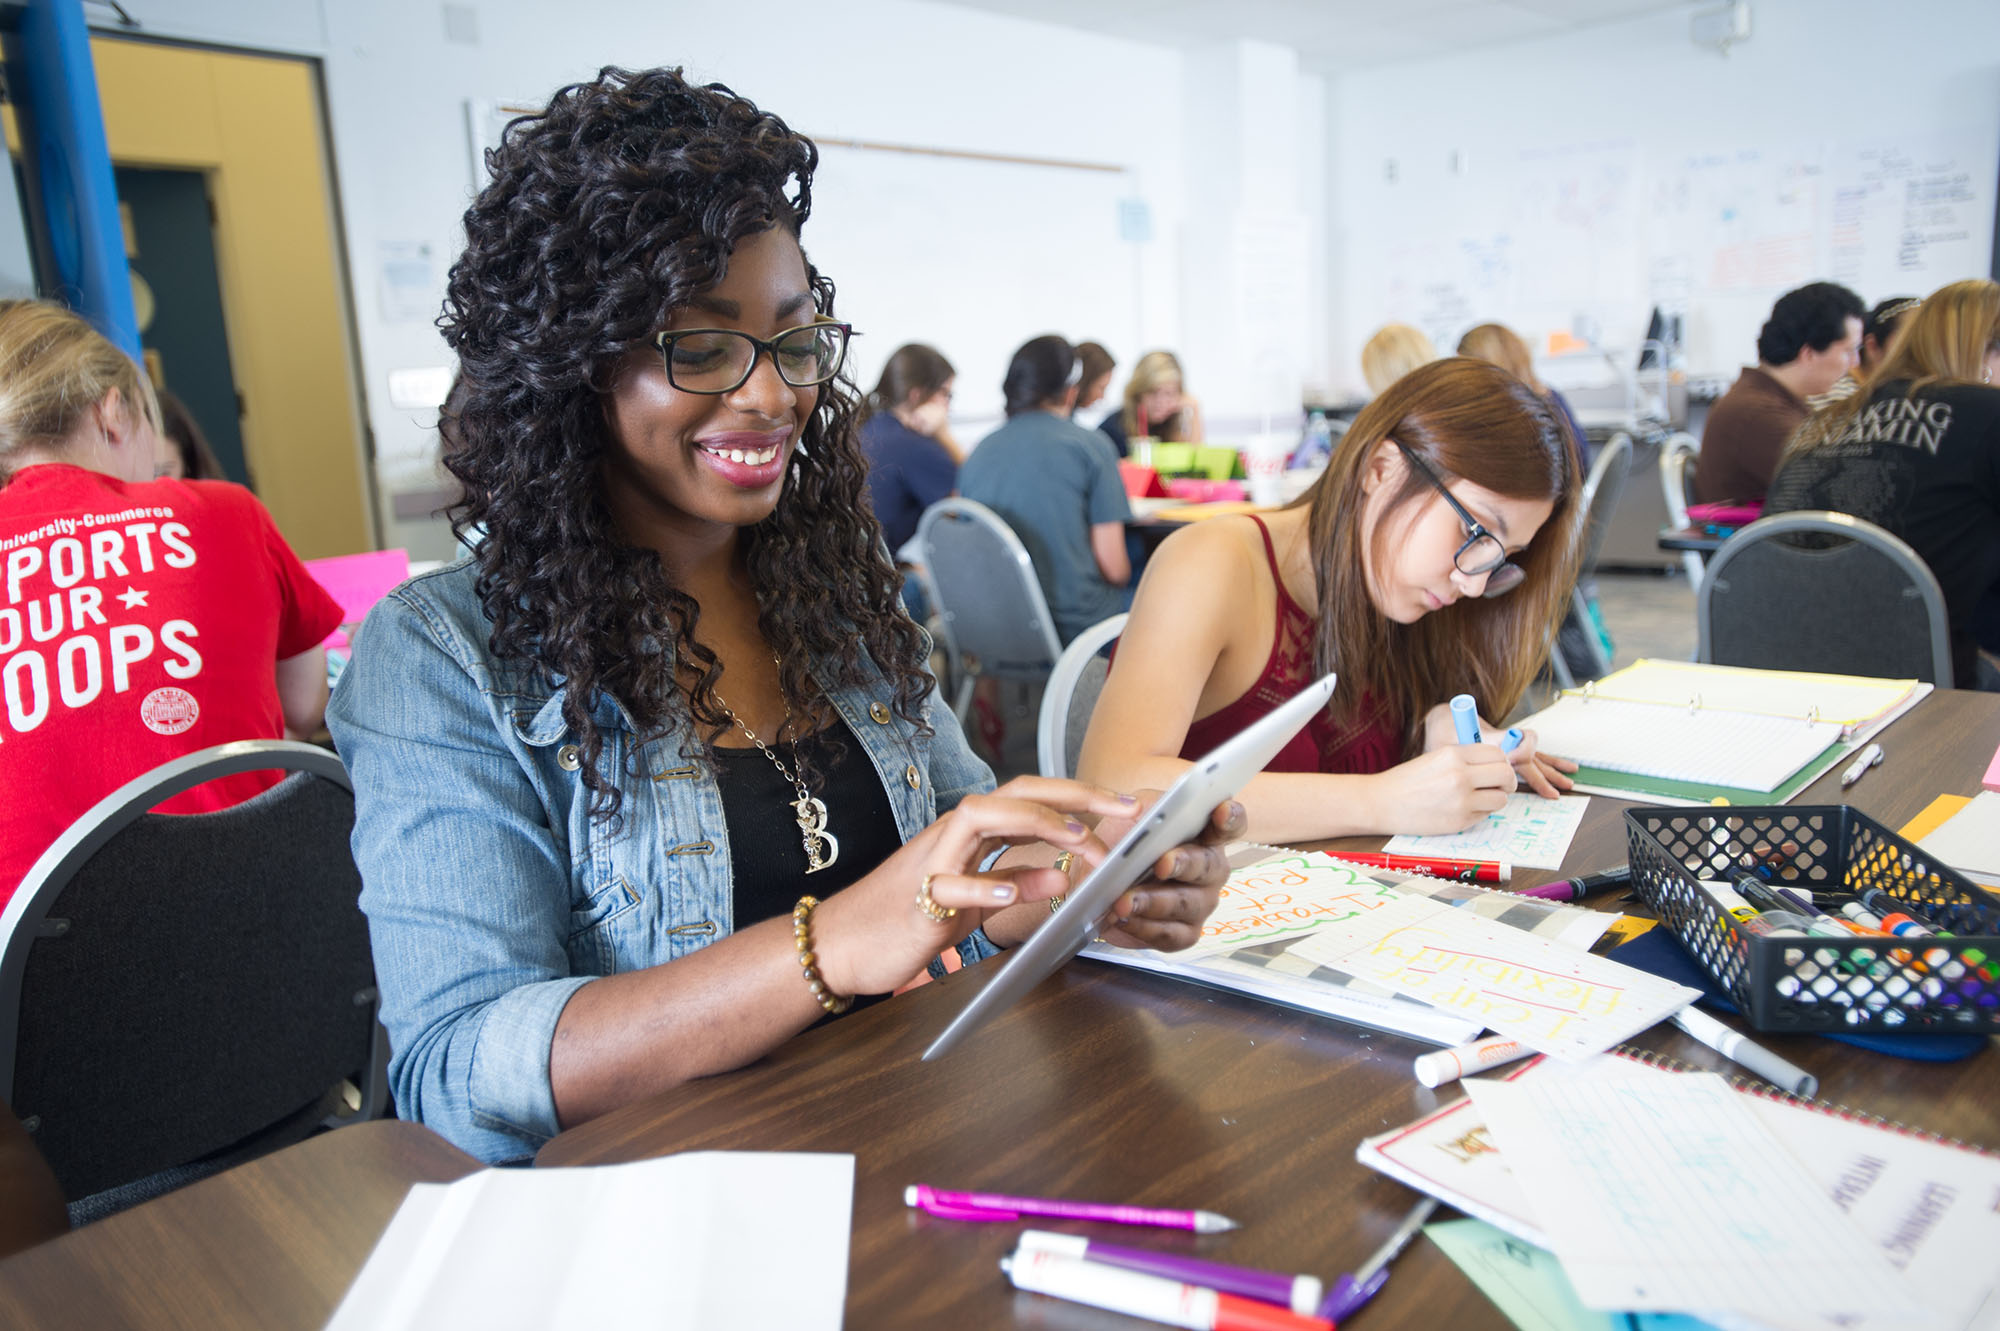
<point>990,1206</point>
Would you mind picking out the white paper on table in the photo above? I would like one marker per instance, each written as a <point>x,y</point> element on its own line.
<point>1668,1194</point>
<point>1530,831</point>
<point>681,1242</point>
<point>1555,998</point>
<point>1708,748</point>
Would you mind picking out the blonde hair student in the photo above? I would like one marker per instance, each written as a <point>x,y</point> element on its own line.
<point>143,619</point>
<point>1917,450</point>
<point>1393,352</point>
<point>1433,557</point>
<point>1157,405</point>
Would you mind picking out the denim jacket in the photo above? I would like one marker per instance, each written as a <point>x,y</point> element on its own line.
<point>492,895</point>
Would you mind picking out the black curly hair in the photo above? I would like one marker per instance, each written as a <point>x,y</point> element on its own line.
<point>614,206</point>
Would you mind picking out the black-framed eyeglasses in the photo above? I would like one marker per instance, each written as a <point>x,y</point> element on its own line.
<point>1483,552</point>
<point>719,360</point>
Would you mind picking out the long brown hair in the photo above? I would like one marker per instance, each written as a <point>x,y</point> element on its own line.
<point>1466,419</point>
<point>1944,340</point>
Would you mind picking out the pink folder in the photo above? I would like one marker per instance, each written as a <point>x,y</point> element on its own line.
<point>1992,778</point>
<point>358,582</point>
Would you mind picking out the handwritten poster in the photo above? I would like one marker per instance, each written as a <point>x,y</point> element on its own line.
<point>1286,896</point>
<point>1559,999</point>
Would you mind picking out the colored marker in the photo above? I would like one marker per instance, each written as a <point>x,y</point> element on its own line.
<point>1576,889</point>
<point>1867,759</point>
<point>1740,1048</point>
<point>1442,1066</point>
<point>991,1206</point>
<point>1465,716</point>
<point>1511,740</point>
<point>1155,1298</point>
<point>1351,1291</point>
<point>1299,1293</point>
<point>1465,871</point>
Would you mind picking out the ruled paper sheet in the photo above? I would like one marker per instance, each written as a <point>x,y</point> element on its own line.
<point>1711,748</point>
<point>1669,1194</point>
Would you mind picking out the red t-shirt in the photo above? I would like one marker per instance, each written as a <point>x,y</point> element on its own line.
<point>138,622</point>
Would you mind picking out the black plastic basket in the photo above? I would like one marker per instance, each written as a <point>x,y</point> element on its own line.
<point>1810,983</point>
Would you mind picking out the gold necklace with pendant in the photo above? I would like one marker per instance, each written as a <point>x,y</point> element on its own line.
<point>822,846</point>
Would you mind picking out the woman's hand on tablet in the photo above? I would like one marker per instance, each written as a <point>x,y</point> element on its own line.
<point>1166,910</point>
<point>878,933</point>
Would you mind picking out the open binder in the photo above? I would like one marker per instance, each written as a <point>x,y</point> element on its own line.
<point>1671,732</point>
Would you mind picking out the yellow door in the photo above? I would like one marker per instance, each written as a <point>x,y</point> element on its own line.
<point>252,125</point>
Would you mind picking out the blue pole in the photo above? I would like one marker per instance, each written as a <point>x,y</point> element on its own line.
<point>72,164</point>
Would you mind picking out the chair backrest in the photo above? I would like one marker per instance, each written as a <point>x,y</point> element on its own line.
<point>1601,489</point>
<point>996,621</point>
<point>1677,458</point>
<point>1827,592</point>
<point>173,985</point>
<point>1071,696</point>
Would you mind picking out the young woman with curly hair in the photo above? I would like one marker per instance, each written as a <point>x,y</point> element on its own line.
<point>672,693</point>
<point>1434,557</point>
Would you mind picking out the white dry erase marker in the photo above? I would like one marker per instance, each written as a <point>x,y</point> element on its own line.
<point>1155,1298</point>
<point>1442,1066</point>
<point>1742,1049</point>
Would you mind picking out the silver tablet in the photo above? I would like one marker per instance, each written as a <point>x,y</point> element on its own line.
<point>1178,816</point>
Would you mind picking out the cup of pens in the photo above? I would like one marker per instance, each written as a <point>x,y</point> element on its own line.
<point>1821,919</point>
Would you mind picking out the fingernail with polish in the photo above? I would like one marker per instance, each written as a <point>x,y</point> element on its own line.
<point>1128,799</point>
<point>1075,828</point>
<point>1003,892</point>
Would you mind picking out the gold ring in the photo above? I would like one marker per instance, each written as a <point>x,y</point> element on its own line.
<point>928,903</point>
<point>1055,903</point>
<point>1064,860</point>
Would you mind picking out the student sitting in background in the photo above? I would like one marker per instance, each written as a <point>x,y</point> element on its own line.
<point>1097,367</point>
<point>1809,341</point>
<point>912,458</point>
<point>657,779</point>
<point>184,454</point>
<point>1057,485</point>
<point>1503,347</point>
<point>1917,451</point>
<point>1432,558</point>
<point>1393,352</point>
<point>1157,406</point>
<point>1876,330</point>
<point>141,619</point>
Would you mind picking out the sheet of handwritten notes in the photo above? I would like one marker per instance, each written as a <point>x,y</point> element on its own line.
<point>1669,1194</point>
<point>1558,999</point>
<point>1530,832</point>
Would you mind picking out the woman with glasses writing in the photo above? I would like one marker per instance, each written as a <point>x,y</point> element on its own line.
<point>654,781</point>
<point>1433,558</point>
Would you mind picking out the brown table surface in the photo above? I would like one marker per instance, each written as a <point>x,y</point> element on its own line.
<point>1114,1085</point>
<point>273,1243</point>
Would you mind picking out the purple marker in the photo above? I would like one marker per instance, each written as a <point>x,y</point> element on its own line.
<point>1299,1293</point>
<point>1575,889</point>
<point>993,1206</point>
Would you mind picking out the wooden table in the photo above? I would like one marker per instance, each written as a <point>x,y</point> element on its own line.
<point>273,1243</point>
<point>1114,1085</point>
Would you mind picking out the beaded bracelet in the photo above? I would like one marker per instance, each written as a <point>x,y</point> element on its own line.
<point>809,961</point>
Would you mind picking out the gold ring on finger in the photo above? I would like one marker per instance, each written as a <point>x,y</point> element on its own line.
<point>928,903</point>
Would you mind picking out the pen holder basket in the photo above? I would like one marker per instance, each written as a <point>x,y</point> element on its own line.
<point>1806,982</point>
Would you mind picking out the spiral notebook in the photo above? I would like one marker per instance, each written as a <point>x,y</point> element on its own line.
<point>1925,1200</point>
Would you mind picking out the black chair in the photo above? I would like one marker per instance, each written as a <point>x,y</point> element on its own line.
<point>180,993</point>
<point>1827,592</point>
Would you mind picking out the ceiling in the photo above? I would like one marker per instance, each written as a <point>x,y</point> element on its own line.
<point>1331,35</point>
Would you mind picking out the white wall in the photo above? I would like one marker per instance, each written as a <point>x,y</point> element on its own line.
<point>886,70</point>
<point>1625,105</point>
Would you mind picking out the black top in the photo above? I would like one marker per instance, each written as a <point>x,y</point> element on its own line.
<point>1925,466</point>
<point>767,853</point>
<point>1114,430</point>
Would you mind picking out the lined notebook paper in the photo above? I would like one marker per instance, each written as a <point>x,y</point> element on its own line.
<point>1744,750</point>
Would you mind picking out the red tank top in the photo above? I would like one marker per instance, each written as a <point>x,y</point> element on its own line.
<point>1319,747</point>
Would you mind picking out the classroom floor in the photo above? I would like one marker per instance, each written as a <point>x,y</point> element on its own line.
<point>1647,615</point>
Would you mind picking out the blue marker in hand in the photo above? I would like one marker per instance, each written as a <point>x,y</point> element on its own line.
<point>1465,716</point>
<point>1511,740</point>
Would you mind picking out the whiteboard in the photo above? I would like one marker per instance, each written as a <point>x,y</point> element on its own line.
<point>1587,238</point>
<point>972,257</point>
